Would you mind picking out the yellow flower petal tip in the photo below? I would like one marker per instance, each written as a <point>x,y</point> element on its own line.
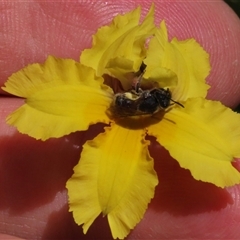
<point>59,97</point>
<point>114,178</point>
<point>203,137</point>
<point>120,47</point>
<point>186,59</point>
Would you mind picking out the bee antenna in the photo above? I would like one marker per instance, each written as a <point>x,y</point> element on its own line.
<point>177,103</point>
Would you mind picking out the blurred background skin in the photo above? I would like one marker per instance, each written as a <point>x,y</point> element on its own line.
<point>235,5</point>
<point>33,202</point>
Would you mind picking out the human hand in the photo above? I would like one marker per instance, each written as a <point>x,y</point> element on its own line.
<point>33,174</point>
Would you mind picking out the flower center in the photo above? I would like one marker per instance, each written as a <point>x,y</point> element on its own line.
<point>138,102</point>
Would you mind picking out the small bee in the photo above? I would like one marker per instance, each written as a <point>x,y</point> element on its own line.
<point>141,102</point>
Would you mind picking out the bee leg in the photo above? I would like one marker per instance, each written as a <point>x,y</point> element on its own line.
<point>137,83</point>
<point>140,91</point>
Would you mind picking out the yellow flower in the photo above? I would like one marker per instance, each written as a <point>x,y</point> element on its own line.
<point>115,174</point>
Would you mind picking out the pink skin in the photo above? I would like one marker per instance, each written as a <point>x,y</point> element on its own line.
<point>33,202</point>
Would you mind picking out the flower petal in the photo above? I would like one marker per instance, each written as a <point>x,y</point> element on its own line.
<point>187,59</point>
<point>160,78</point>
<point>203,137</point>
<point>120,45</point>
<point>115,176</point>
<point>63,96</point>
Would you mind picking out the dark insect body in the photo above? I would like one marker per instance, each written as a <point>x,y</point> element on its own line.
<point>142,103</point>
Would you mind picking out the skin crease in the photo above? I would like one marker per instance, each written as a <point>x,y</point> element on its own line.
<point>33,174</point>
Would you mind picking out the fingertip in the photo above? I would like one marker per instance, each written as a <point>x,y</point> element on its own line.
<point>9,237</point>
